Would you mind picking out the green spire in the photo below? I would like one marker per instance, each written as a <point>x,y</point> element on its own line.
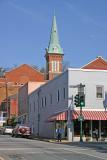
<point>54,46</point>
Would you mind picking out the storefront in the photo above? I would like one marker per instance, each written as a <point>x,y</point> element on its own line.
<point>93,120</point>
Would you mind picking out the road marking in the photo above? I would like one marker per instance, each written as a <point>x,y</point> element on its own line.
<point>36,150</point>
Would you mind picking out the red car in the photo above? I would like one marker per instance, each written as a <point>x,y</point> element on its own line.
<point>21,131</point>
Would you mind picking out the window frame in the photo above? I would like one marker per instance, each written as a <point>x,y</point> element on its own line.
<point>58,96</point>
<point>102,94</point>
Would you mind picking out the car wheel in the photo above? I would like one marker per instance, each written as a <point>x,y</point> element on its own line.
<point>12,135</point>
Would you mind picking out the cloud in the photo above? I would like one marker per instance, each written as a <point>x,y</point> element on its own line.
<point>20,8</point>
<point>83,17</point>
<point>38,16</point>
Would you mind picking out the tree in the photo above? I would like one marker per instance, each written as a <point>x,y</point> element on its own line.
<point>2,71</point>
<point>43,70</point>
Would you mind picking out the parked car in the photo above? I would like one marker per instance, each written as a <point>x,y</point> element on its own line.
<point>7,130</point>
<point>22,131</point>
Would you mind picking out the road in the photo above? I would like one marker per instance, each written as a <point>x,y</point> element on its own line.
<point>26,149</point>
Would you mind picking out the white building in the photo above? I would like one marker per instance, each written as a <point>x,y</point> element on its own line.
<point>50,104</point>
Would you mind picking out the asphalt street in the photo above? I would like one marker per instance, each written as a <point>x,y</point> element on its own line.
<point>27,149</point>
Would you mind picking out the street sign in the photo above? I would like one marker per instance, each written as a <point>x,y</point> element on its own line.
<point>81,118</point>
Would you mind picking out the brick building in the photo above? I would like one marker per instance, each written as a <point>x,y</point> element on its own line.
<point>10,84</point>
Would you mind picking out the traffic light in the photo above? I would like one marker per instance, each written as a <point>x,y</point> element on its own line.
<point>77,100</point>
<point>82,100</point>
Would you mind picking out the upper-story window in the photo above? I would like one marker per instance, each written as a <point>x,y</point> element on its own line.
<point>55,66</point>
<point>58,96</point>
<point>45,101</point>
<point>42,102</point>
<point>99,91</point>
<point>64,93</point>
<point>30,108</point>
<point>34,106</point>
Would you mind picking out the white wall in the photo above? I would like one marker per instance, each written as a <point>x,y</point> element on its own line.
<point>52,88</point>
<point>91,78</point>
<point>70,77</point>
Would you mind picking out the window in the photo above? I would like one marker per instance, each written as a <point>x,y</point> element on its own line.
<point>64,93</point>
<point>45,101</point>
<point>34,106</point>
<point>58,66</point>
<point>50,98</point>
<point>42,102</point>
<point>55,66</point>
<point>99,91</point>
<point>4,114</point>
<point>58,96</point>
<point>30,108</point>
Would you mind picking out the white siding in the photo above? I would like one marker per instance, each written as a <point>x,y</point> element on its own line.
<point>70,77</point>
<point>91,79</point>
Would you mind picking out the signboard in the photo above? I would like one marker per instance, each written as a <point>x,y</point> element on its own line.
<point>81,118</point>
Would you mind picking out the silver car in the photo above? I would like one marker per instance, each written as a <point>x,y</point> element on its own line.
<point>8,130</point>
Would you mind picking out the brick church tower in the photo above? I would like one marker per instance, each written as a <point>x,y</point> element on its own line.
<point>54,54</point>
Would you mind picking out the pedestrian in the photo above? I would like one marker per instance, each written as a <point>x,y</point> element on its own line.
<point>59,134</point>
<point>96,134</point>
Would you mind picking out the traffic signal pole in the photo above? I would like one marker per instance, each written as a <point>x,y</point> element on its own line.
<point>81,87</point>
<point>81,126</point>
<point>79,101</point>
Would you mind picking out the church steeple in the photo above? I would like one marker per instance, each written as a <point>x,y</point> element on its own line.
<point>54,54</point>
<point>54,45</point>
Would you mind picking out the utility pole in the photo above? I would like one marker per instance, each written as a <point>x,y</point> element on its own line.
<point>7,107</point>
<point>2,74</point>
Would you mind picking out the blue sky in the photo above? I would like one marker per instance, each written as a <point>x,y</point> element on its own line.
<point>25,27</point>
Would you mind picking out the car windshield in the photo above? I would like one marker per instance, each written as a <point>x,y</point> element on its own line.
<point>8,127</point>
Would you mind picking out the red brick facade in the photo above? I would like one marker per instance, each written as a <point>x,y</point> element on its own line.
<point>24,74</point>
<point>14,79</point>
<point>53,57</point>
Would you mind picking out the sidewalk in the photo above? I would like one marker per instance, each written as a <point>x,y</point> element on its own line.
<point>94,145</point>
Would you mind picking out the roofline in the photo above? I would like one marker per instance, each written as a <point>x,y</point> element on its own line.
<point>88,70</point>
<point>69,69</point>
<point>93,61</point>
<point>22,65</point>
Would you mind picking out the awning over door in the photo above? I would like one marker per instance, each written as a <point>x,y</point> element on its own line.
<point>58,116</point>
<point>88,115</point>
<point>91,115</point>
